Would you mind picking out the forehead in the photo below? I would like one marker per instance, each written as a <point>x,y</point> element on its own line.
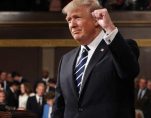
<point>81,10</point>
<point>40,86</point>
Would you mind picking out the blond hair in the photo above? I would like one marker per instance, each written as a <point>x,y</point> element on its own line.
<point>92,4</point>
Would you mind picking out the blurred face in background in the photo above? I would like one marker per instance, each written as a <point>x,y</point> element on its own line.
<point>50,102</point>
<point>2,97</point>
<point>45,74</point>
<point>3,76</point>
<point>149,85</point>
<point>9,77</point>
<point>40,90</point>
<point>142,83</point>
<point>22,89</point>
<point>17,78</point>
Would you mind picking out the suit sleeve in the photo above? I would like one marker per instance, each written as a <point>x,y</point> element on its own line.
<point>125,60</point>
<point>58,107</point>
<point>28,105</point>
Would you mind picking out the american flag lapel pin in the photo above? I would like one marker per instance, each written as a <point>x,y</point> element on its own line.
<point>102,49</point>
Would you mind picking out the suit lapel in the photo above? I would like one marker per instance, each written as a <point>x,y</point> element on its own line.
<point>71,66</point>
<point>98,55</point>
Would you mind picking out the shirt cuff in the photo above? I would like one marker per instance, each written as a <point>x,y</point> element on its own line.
<point>108,38</point>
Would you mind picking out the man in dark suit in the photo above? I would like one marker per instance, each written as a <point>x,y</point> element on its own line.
<point>18,77</point>
<point>36,103</point>
<point>143,98</point>
<point>95,80</point>
<point>12,94</point>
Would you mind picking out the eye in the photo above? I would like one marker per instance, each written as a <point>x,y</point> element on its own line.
<point>77,17</point>
<point>68,19</point>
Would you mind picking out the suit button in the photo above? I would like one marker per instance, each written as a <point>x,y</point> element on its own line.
<point>81,109</point>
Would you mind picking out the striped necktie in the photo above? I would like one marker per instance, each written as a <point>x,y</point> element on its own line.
<point>80,67</point>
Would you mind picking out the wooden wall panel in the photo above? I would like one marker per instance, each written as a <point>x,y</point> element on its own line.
<point>26,61</point>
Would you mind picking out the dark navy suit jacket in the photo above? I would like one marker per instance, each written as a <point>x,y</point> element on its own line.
<point>107,90</point>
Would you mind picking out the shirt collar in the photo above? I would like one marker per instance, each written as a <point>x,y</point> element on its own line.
<point>93,45</point>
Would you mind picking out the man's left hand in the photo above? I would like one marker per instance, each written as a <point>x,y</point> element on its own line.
<point>103,18</point>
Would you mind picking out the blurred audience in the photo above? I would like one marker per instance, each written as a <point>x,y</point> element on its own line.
<point>2,100</point>
<point>149,85</point>
<point>18,77</point>
<point>36,103</point>
<point>50,83</point>
<point>51,86</point>
<point>25,89</point>
<point>143,98</point>
<point>3,103</point>
<point>48,106</point>
<point>57,5</point>
<point>45,76</point>
<point>17,94</point>
<point>12,94</point>
<point>9,78</point>
<point>3,82</point>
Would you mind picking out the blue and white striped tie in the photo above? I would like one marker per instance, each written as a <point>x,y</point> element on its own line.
<point>80,67</point>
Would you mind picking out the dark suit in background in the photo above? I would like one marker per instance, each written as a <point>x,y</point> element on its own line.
<point>11,98</point>
<point>33,106</point>
<point>144,103</point>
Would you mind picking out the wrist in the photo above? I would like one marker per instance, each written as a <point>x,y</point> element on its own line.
<point>110,28</point>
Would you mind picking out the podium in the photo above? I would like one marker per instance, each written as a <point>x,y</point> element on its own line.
<point>17,114</point>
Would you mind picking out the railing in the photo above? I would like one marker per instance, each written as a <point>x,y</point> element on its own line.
<point>54,43</point>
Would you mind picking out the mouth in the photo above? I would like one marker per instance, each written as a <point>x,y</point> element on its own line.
<point>76,32</point>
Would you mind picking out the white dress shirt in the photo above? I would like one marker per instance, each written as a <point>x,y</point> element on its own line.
<point>108,38</point>
<point>23,101</point>
<point>50,110</point>
<point>142,92</point>
<point>39,99</point>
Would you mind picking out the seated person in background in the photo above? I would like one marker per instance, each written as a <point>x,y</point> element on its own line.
<point>25,89</point>
<point>143,98</point>
<point>36,103</point>
<point>3,104</point>
<point>149,85</point>
<point>2,100</point>
<point>12,94</point>
<point>18,77</point>
<point>51,86</point>
<point>45,76</point>
<point>48,107</point>
<point>9,78</point>
<point>3,82</point>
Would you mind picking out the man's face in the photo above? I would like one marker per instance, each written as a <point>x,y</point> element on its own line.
<point>50,102</point>
<point>45,74</point>
<point>40,90</point>
<point>17,78</point>
<point>3,76</point>
<point>82,25</point>
<point>149,85</point>
<point>142,83</point>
